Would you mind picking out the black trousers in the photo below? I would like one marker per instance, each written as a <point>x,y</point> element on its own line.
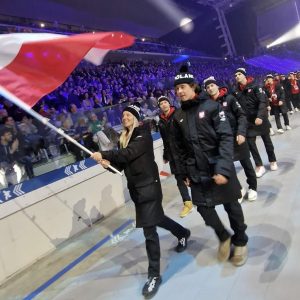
<point>295,100</point>
<point>277,119</point>
<point>26,161</point>
<point>236,219</point>
<point>254,151</point>
<point>152,242</point>
<point>250,173</point>
<point>288,103</point>
<point>183,189</point>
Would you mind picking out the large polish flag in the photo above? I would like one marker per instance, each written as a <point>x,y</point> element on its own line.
<point>34,64</point>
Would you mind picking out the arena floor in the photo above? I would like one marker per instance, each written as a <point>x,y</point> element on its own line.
<point>109,261</point>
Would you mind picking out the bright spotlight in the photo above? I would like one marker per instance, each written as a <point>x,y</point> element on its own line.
<point>172,11</point>
<point>186,25</point>
<point>292,34</point>
<point>42,25</point>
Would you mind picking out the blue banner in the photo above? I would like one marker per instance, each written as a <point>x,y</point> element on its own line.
<point>27,186</point>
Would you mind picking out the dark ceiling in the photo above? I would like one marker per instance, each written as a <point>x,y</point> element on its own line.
<point>138,17</point>
<point>144,18</point>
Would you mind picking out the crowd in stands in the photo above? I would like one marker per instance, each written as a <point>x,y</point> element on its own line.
<point>91,87</point>
<point>88,107</point>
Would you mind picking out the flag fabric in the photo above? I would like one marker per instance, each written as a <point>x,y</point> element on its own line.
<point>34,64</point>
<point>164,173</point>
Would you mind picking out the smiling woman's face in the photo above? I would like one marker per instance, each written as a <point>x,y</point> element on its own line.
<point>127,119</point>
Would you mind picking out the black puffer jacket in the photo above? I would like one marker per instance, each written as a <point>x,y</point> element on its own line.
<point>274,101</point>
<point>137,159</point>
<point>254,102</point>
<point>164,125</point>
<point>286,85</point>
<point>236,115</point>
<point>204,147</point>
<point>238,122</point>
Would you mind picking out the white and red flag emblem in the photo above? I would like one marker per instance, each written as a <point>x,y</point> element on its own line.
<point>34,64</point>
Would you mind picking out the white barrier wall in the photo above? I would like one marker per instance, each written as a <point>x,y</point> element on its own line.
<point>32,225</point>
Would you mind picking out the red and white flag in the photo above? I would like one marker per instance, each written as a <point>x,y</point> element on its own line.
<point>34,64</point>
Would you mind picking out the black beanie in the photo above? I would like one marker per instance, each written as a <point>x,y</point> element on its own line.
<point>162,98</point>
<point>134,109</point>
<point>241,70</point>
<point>209,80</point>
<point>184,76</point>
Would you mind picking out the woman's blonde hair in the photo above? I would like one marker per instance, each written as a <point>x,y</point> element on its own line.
<point>126,133</point>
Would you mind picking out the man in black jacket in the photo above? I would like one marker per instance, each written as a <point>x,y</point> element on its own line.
<point>8,147</point>
<point>203,156</point>
<point>253,101</point>
<point>164,124</point>
<point>284,82</point>
<point>293,85</point>
<point>276,96</point>
<point>238,123</point>
<point>16,153</point>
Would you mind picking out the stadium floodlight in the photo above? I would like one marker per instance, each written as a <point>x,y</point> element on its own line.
<point>171,10</point>
<point>292,34</point>
<point>186,25</point>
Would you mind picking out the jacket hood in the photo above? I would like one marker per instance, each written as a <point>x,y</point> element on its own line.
<point>250,81</point>
<point>167,117</point>
<point>223,92</point>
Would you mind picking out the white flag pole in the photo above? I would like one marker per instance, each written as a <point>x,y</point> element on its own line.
<point>5,93</point>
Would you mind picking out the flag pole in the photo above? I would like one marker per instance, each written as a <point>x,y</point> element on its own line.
<point>5,93</point>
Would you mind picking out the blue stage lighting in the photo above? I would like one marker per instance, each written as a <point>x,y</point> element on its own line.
<point>180,58</point>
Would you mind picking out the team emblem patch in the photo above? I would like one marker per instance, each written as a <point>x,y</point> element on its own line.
<point>222,116</point>
<point>201,114</point>
<point>225,103</point>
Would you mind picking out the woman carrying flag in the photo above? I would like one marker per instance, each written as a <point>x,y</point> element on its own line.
<point>136,158</point>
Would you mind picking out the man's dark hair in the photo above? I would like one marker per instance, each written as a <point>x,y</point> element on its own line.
<point>3,131</point>
<point>4,119</point>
